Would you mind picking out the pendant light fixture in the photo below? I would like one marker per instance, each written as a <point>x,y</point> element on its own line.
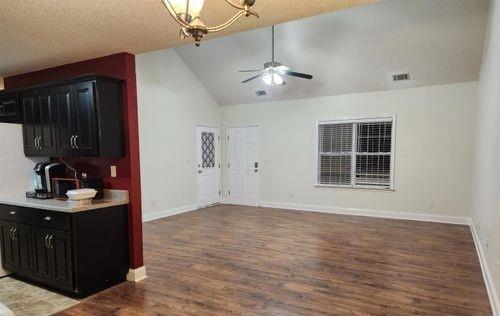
<point>187,14</point>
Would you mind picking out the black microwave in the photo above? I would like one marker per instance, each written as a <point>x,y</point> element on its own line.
<point>9,108</point>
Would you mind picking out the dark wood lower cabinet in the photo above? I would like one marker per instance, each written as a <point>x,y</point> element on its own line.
<point>77,253</point>
<point>16,248</point>
<point>52,260</point>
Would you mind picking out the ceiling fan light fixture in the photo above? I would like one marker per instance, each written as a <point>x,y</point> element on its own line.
<point>187,14</point>
<point>273,78</point>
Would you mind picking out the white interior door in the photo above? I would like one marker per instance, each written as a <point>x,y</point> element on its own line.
<point>243,167</point>
<point>208,165</point>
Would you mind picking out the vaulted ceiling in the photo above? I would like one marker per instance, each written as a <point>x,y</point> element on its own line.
<point>37,34</point>
<point>350,51</point>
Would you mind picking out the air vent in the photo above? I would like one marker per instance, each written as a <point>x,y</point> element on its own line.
<point>260,93</point>
<point>401,77</point>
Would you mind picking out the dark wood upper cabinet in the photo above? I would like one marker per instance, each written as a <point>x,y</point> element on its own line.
<point>77,117</point>
<point>9,108</point>
<point>31,119</point>
<point>39,129</point>
<point>66,118</point>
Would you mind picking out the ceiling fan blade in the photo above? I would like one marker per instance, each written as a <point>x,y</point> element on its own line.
<point>250,79</point>
<point>299,75</point>
<point>249,70</point>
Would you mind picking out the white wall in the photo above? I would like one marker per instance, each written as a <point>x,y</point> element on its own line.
<point>486,197</point>
<point>434,143</point>
<point>15,170</point>
<point>171,103</point>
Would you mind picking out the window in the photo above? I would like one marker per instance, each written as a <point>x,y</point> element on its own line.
<point>356,153</point>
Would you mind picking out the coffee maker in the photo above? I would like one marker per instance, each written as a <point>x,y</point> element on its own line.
<point>43,173</point>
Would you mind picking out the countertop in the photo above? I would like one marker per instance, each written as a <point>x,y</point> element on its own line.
<point>111,198</point>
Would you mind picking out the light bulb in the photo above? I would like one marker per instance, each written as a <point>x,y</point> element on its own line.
<point>195,7</point>
<point>268,78</point>
<point>278,80</point>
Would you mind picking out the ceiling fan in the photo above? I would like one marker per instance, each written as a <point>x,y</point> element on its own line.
<point>274,72</point>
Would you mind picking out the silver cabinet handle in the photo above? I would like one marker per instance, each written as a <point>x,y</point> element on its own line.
<point>71,141</point>
<point>14,231</point>
<point>50,242</point>
<point>47,218</point>
<point>35,140</point>
<point>10,233</point>
<point>47,241</point>
<point>12,213</point>
<point>40,143</point>
<point>76,141</point>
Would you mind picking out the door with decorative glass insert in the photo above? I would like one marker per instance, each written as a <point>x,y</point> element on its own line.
<point>208,165</point>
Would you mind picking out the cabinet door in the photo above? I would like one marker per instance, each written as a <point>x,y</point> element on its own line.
<point>16,248</point>
<point>45,104</point>
<point>61,259</point>
<point>66,120</point>
<point>30,125</point>
<point>8,246</point>
<point>52,257</point>
<point>41,255</point>
<point>22,240</point>
<point>86,136</point>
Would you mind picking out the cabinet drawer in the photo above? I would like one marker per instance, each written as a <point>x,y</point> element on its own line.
<point>50,219</point>
<point>14,213</point>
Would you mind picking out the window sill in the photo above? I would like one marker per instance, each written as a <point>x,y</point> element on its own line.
<point>357,188</point>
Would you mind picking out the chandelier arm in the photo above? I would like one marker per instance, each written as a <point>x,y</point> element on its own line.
<point>235,5</point>
<point>225,25</point>
<point>174,14</point>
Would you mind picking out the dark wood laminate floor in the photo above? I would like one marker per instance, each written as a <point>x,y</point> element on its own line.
<point>257,261</point>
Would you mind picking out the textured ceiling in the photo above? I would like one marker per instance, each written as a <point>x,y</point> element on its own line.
<point>350,51</point>
<point>37,34</point>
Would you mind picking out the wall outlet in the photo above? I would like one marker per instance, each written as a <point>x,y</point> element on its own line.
<point>113,171</point>
<point>432,204</point>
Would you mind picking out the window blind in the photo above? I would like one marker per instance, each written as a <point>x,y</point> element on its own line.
<point>355,154</point>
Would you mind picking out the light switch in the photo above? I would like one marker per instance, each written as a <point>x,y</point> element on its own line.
<point>113,171</point>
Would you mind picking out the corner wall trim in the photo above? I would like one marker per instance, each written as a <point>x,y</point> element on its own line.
<point>488,280</point>
<point>370,213</point>
<point>167,213</point>
<point>136,275</point>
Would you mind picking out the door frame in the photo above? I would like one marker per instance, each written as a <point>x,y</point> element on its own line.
<point>228,198</point>
<point>218,161</point>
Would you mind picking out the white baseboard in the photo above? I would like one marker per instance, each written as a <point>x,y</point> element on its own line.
<point>370,213</point>
<point>136,275</point>
<point>166,213</point>
<point>488,280</point>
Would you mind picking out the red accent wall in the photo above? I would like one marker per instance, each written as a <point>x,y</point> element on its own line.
<point>120,66</point>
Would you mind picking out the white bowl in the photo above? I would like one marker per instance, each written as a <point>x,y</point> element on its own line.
<point>81,194</point>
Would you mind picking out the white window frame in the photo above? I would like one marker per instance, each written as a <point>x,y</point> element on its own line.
<point>354,120</point>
